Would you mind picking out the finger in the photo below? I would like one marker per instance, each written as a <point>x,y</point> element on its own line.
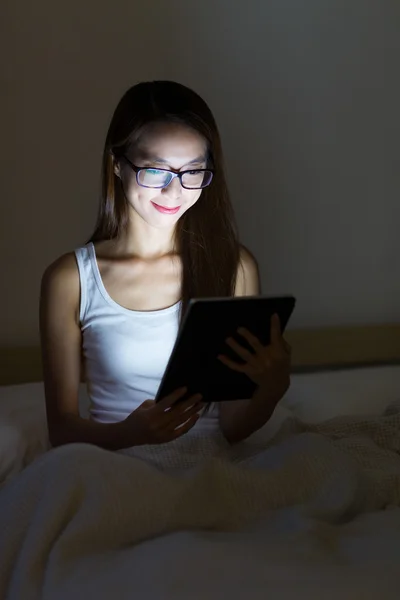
<point>171,399</point>
<point>181,407</point>
<point>276,335</point>
<point>180,419</point>
<point>196,400</point>
<point>231,364</point>
<point>240,351</point>
<point>147,404</point>
<point>180,410</point>
<point>252,339</point>
<point>288,347</point>
<point>184,428</point>
<point>281,351</point>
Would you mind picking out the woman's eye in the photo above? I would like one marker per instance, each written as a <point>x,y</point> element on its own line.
<point>154,172</point>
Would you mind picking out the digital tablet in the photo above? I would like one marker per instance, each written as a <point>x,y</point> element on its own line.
<point>204,329</point>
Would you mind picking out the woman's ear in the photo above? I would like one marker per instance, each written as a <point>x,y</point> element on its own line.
<point>117,168</point>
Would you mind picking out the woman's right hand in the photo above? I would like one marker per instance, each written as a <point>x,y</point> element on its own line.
<point>164,421</point>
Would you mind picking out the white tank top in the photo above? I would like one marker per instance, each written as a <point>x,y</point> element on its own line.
<point>125,351</point>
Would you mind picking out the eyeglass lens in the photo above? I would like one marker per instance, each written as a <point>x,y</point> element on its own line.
<point>159,178</point>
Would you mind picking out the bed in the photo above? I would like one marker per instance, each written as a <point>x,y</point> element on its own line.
<point>308,507</point>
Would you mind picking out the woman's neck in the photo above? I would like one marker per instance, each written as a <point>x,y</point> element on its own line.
<point>146,242</point>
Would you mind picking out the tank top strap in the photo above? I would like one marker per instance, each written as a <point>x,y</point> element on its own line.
<point>84,262</point>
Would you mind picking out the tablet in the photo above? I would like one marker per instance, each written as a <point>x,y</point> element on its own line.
<point>204,329</point>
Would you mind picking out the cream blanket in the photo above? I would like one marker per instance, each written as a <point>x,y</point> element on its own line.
<point>81,522</point>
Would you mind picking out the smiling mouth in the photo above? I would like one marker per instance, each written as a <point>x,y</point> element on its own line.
<point>165,209</point>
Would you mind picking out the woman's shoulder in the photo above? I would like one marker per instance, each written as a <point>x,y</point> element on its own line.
<point>61,277</point>
<point>248,278</point>
<point>247,259</point>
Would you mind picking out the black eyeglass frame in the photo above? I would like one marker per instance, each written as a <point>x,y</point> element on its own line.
<point>173,174</point>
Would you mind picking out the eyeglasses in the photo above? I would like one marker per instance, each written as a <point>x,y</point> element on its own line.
<point>160,178</point>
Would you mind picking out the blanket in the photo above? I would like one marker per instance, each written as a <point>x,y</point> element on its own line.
<point>80,521</point>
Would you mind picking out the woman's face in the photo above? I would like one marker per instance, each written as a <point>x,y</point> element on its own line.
<point>163,146</point>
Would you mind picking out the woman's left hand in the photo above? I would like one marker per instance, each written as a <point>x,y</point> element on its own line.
<point>268,366</point>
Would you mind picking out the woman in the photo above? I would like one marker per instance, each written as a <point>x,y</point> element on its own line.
<point>110,311</point>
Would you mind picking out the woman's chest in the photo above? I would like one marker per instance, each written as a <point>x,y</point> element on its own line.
<point>143,285</point>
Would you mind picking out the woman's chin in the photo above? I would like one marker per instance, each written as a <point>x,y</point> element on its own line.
<point>162,221</point>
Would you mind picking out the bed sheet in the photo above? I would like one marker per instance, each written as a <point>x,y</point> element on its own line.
<point>319,396</point>
<point>338,537</point>
<point>314,513</point>
<point>312,397</point>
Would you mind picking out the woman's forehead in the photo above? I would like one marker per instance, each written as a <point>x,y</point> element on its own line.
<point>165,141</point>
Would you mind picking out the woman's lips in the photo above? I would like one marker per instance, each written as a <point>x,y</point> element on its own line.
<point>165,209</point>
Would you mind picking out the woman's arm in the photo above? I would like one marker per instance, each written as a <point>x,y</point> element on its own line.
<point>241,418</point>
<point>61,340</point>
<point>61,353</point>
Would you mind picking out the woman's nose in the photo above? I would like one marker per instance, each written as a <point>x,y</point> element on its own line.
<point>174,189</point>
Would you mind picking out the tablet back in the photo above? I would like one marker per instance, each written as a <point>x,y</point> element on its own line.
<point>207,324</point>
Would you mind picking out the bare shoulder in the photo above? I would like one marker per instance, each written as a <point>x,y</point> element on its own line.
<point>248,278</point>
<point>61,278</point>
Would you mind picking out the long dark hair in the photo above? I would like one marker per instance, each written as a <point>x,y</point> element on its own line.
<point>205,236</point>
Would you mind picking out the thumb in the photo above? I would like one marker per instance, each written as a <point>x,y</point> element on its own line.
<point>148,404</point>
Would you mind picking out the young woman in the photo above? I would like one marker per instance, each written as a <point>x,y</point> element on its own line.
<point>110,311</point>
